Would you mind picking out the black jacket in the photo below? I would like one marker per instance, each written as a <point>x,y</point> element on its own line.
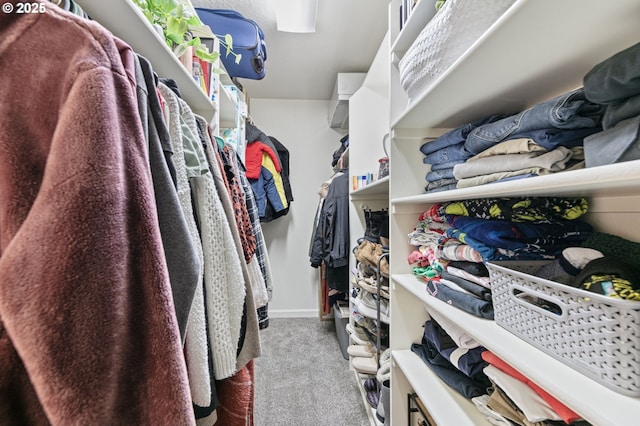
<point>331,242</point>
<point>283,154</point>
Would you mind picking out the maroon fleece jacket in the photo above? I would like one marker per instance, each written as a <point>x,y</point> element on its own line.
<point>88,334</point>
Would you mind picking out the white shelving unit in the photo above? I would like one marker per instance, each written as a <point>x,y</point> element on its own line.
<point>126,22</point>
<point>537,50</point>
<point>376,189</point>
<point>368,124</point>
<point>573,389</point>
<point>436,396</point>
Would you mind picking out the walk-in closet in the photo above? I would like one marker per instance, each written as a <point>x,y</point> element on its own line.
<point>310,212</point>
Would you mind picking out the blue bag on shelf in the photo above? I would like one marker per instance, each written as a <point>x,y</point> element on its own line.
<point>248,40</point>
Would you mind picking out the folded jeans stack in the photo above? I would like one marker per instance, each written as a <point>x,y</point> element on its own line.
<point>543,139</point>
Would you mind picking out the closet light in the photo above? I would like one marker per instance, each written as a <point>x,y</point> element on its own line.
<point>296,16</point>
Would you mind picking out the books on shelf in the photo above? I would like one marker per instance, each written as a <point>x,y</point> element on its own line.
<point>406,8</point>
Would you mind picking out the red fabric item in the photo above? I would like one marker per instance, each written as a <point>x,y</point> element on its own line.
<point>567,414</point>
<point>236,396</point>
<point>253,159</point>
<point>326,306</point>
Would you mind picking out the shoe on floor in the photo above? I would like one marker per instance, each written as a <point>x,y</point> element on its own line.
<point>365,365</point>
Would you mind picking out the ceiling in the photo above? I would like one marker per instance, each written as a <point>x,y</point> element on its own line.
<point>305,66</point>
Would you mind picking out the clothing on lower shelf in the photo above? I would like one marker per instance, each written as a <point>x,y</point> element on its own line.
<point>557,408</point>
<point>452,241</point>
<point>461,369</point>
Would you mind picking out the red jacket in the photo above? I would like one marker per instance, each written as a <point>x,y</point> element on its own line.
<point>253,159</point>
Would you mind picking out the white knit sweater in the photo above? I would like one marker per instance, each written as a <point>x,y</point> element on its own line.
<point>224,287</point>
<point>195,346</point>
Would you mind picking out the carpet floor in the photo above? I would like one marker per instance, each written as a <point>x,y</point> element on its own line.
<point>302,379</point>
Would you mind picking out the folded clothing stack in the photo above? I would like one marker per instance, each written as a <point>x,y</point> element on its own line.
<point>546,138</point>
<point>459,367</point>
<point>452,240</point>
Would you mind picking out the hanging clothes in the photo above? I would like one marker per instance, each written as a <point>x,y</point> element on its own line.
<point>232,161</point>
<point>265,172</point>
<point>283,154</point>
<point>181,242</point>
<point>224,288</point>
<point>331,238</point>
<point>184,260</point>
<point>88,329</point>
<point>249,342</point>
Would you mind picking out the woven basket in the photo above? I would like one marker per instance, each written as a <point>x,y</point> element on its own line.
<point>596,335</point>
<point>444,39</point>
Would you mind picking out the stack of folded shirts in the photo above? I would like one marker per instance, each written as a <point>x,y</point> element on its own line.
<point>453,240</point>
<point>516,398</point>
<point>460,367</point>
<point>518,228</point>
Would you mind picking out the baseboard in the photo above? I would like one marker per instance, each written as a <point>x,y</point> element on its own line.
<point>293,313</point>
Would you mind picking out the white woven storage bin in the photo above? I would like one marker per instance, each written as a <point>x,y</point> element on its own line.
<point>596,335</point>
<point>445,37</point>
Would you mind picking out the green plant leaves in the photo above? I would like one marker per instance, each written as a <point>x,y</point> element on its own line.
<point>206,56</point>
<point>175,20</point>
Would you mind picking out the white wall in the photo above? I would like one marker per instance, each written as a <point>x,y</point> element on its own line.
<point>301,126</point>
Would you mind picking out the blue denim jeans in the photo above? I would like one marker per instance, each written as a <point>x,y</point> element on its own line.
<point>466,302</point>
<point>552,138</point>
<point>571,110</point>
<point>456,135</point>
<point>438,184</point>
<point>435,175</point>
<point>448,154</point>
<point>441,166</point>
<point>448,187</point>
